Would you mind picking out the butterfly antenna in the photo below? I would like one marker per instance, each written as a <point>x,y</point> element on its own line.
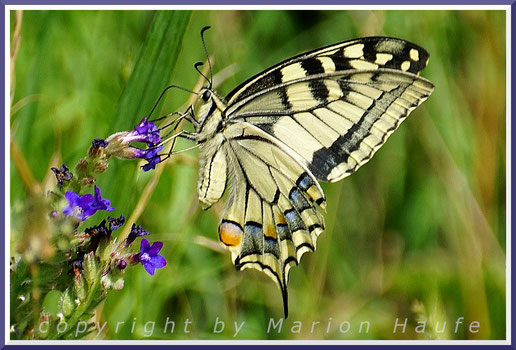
<point>196,66</point>
<point>207,56</point>
<point>163,93</point>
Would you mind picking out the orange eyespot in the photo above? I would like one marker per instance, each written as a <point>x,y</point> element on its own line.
<point>230,234</point>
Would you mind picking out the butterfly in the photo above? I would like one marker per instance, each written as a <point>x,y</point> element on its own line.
<point>314,117</point>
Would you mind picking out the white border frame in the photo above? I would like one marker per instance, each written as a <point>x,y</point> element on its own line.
<point>507,8</point>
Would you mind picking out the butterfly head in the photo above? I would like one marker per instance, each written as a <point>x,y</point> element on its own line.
<point>208,108</point>
<point>203,106</point>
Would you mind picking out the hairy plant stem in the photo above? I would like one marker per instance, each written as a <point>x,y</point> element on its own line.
<point>81,309</point>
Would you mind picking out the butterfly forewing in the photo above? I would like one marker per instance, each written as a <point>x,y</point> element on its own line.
<point>360,54</point>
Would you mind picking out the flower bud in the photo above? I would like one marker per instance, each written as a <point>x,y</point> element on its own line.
<point>91,267</point>
<point>97,147</point>
<point>67,304</point>
<point>121,264</point>
<point>112,281</point>
<point>100,166</point>
<point>82,165</point>
<point>88,181</point>
<point>80,287</point>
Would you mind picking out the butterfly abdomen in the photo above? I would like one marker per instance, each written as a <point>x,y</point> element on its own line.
<point>212,171</point>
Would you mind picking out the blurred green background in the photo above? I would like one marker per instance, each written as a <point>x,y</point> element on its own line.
<point>419,232</point>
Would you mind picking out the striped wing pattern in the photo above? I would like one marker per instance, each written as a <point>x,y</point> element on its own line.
<point>342,101</point>
<point>340,132</point>
<point>317,116</point>
<point>271,218</point>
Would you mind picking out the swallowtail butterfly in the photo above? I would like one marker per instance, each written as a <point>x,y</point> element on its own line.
<point>317,116</point>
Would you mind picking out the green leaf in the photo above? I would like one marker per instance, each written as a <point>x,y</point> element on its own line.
<point>51,302</point>
<point>153,68</point>
<point>150,76</point>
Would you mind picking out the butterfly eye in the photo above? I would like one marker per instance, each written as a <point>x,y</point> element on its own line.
<point>206,95</point>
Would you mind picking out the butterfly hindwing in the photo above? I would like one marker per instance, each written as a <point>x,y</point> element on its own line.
<point>271,218</point>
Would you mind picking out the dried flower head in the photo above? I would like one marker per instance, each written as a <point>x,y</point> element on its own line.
<point>136,231</point>
<point>115,223</point>
<point>62,174</point>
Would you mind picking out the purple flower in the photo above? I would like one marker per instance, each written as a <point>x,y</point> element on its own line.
<point>100,203</point>
<point>62,174</point>
<point>152,157</point>
<point>136,231</point>
<point>82,207</point>
<point>150,258</point>
<point>78,206</point>
<point>147,132</point>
